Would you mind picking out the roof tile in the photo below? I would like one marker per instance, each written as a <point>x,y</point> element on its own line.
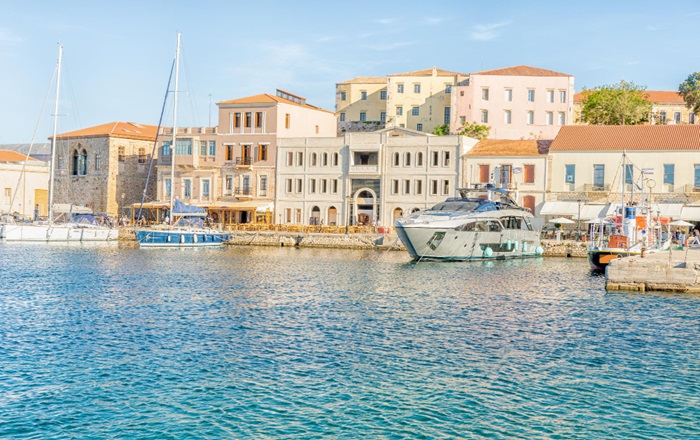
<point>507,147</point>
<point>13,156</point>
<point>125,130</point>
<point>521,71</point>
<point>627,137</point>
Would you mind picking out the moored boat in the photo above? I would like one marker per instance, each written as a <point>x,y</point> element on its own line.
<point>482,223</point>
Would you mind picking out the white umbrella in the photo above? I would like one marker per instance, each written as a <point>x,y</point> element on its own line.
<point>681,223</point>
<point>598,221</point>
<point>562,221</point>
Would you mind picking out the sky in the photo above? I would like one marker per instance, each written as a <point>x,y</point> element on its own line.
<point>117,55</point>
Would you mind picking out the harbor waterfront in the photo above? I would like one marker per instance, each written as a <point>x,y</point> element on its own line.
<point>105,341</point>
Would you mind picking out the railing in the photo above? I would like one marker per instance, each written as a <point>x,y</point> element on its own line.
<point>243,192</point>
<point>588,187</point>
<point>690,188</point>
<point>244,161</point>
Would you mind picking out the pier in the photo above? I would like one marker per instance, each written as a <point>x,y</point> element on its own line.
<point>677,270</point>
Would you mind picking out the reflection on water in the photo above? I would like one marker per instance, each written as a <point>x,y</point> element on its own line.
<point>251,342</point>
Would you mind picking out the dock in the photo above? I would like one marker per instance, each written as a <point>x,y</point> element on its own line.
<point>677,270</point>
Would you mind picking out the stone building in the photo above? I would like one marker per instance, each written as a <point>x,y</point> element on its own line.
<point>104,167</point>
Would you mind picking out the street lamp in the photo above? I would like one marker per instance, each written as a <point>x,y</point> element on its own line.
<point>578,236</point>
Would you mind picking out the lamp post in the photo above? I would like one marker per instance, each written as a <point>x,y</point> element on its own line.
<point>578,236</point>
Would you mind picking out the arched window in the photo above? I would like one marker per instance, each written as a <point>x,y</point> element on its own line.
<point>325,160</point>
<point>313,159</point>
<point>407,160</point>
<point>396,159</point>
<point>83,163</point>
<point>419,159</point>
<point>335,159</point>
<point>75,164</point>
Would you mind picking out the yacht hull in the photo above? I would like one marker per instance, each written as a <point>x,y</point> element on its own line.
<point>148,238</point>
<point>57,233</point>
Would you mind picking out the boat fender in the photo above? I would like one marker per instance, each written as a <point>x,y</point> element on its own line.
<point>182,238</point>
<point>508,245</point>
<point>194,238</point>
<point>524,246</point>
<point>488,252</point>
<point>539,250</point>
<point>515,246</point>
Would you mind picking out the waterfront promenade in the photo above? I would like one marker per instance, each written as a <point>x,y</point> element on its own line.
<point>674,271</point>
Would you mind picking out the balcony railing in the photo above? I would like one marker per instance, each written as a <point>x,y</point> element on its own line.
<point>591,187</point>
<point>690,188</point>
<point>244,161</point>
<point>243,192</point>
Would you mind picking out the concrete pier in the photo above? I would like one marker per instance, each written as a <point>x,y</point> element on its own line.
<point>677,270</point>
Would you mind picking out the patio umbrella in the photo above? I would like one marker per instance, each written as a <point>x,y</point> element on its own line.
<point>681,223</point>
<point>562,221</point>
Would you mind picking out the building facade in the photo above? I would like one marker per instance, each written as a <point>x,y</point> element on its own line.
<point>25,186</point>
<point>519,102</point>
<point>668,107</point>
<point>360,104</point>
<point>364,178</point>
<point>104,168</point>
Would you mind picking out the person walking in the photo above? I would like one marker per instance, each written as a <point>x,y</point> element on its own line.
<point>696,237</point>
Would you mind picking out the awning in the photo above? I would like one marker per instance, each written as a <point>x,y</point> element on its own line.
<point>238,206</point>
<point>672,210</point>
<point>690,213</point>
<point>592,211</point>
<point>559,208</point>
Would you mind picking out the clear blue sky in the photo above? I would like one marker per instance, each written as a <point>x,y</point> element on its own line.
<point>117,54</point>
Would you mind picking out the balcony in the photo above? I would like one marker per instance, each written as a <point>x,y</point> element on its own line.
<point>243,193</point>
<point>243,161</point>
<point>592,187</point>
<point>364,169</point>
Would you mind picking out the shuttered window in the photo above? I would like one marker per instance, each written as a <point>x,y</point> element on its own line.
<point>483,174</point>
<point>529,176</point>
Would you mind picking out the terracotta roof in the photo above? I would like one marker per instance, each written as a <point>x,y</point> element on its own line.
<point>125,130</point>
<point>429,72</point>
<point>655,96</point>
<point>627,137</point>
<point>265,98</point>
<point>13,156</point>
<point>521,71</point>
<point>366,80</point>
<point>506,147</point>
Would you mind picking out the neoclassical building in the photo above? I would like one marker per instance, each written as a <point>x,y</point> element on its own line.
<point>104,167</point>
<point>360,178</point>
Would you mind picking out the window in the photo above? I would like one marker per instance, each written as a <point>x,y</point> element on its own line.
<point>167,187</point>
<point>334,186</point>
<point>324,186</point>
<point>529,174</point>
<point>570,174</point>
<point>445,187</point>
<point>76,163</point>
<point>248,119</point>
<point>509,95</point>
<point>382,116</point>
<point>484,116</point>
<point>342,117</point>
<point>288,185</point>
<point>629,174</point>
<point>183,147</point>
<point>121,153</point>
<point>212,148</point>
<point>83,163</point>
<point>669,173</point>
<point>314,159</point>
<point>98,161</point>
<point>662,117</point>
<point>415,111</point>
<point>562,118</point>
<point>406,186</point>
<point>396,159</point>
<point>263,185</point>
<point>448,88</point>
<point>399,88</point>
<point>287,120</point>
<point>484,174</point>
<point>205,188</point>
<point>258,119</point>
<point>446,117</point>
<point>142,155</point>
<point>300,185</point>
<point>416,88</point>
<point>599,176</point>
<point>436,159</point>
<point>677,117</point>
<point>419,187</point>
<point>363,116</point>
<point>312,186</point>
<point>324,159</point>
<point>530,117</point>
<point>399,110</point>
<point>262,152</point>
<point>419,159</point>
<point>485,94</point>
<point>691,118</point>
<point>562,96</point>
<point>462,119</point>
<point>550,118</point>
<point>288,214</point>
<point>300,158</point>
<point>246,185</point>
<point>166,150</point>
<point>507,116</point>
<point>202,148</point>
<point>407,159</point>
<point>228,183</point>
<point>237,120</point>
<point>446,158</point>
<point>531,95</point>
<point>382,95</point>
<point>433,187</point>
<point>335,159</point>
<point>343,96</point>
<point>363,95</point>
<point>506,174</point>
<point>290,159</point>
<point>229,152</point>
<point>394,186</point>
<point>550,95</point>
<point>696,180</point>
<point>419,127</point>
<point>186,188</point>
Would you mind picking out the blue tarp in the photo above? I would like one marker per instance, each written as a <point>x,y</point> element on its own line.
<point>183,209</point>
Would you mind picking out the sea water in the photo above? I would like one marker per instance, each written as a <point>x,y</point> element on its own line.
<point>243,342</point>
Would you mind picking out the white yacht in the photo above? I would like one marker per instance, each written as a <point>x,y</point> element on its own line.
<point>483,223</point>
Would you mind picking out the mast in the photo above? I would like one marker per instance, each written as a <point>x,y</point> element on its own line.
<point>53,139</point>
<point>172,145</point>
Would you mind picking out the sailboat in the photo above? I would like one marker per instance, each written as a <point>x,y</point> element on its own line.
<point>186,222</point>
<point>77,229</point>
<point>627,232</point>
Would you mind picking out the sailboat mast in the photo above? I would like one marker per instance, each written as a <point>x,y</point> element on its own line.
<point>53,139</point>
<point>172,145</point>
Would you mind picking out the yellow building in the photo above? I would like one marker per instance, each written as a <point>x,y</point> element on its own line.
<point>360,103</point>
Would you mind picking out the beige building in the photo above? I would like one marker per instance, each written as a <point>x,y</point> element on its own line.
<point>25,185</point>
<point>516,165</point>
<point>519,102</point>
<point>360,178</point>
<point>104,167</point>
<point>417,100</point>
<point>668,107</point>
<point>662,166</point>
<point>231,169</point>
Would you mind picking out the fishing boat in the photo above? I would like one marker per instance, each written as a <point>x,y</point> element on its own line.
<point>483,223</point>
<point>72,228</point>
<point>631,230</point>
<point>185,226</point>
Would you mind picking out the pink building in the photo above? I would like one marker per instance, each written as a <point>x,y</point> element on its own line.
<point>519,102</point>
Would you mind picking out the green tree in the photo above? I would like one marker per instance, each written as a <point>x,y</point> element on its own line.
<point>617,104</point>
<point>690,91</point>
<point>442,130</point>
<point>474,130</point>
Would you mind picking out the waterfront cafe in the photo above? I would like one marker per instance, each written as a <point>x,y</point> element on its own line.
<point>230,215</point>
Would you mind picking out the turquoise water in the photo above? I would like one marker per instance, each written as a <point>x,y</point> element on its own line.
<point>118,342</point>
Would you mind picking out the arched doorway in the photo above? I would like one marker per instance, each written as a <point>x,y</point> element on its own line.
<point>365,207</point>
<point>529,204</point>
<point>315,216</point>
<point>398,212</point>
<point>332,216</point>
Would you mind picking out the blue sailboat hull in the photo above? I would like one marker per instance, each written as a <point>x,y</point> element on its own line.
<point>175,238</point>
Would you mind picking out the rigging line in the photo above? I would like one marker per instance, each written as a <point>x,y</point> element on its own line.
<point>31,145</point>
<point>190,89</point>
<point>155,145</point>
<point>71,92</point>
